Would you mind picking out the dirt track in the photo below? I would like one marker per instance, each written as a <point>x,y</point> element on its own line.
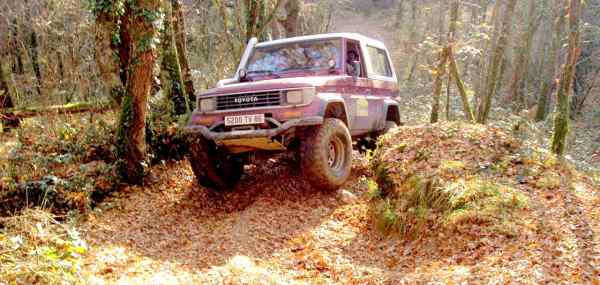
<point>273,219</point>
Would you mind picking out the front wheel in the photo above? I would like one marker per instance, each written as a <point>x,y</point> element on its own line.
<point>326,154</point>
<point>213,170</point>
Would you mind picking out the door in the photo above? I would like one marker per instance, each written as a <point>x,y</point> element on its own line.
<point>383,84</point>
<point>357,90</point>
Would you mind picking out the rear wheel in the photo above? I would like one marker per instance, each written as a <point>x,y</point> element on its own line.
<point>213,170</point>
<point>326,154</point>
<point>369,143</point>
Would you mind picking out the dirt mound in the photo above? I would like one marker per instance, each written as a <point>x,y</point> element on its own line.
<point>447,176</point>
<point>458,188</point>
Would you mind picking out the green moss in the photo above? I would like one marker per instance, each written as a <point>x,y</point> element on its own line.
<point>171,75</point>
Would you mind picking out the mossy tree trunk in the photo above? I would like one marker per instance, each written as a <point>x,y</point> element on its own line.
<point>561,116</point>
<point>131,138</point>
<point>171,75</point>
<point>181,43</point>
<point>469,115</point>
<point>495,61</point>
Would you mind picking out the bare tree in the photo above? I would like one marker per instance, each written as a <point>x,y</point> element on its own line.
<point>549,82</point>
<point>495,62</point>
<point>522,58</point>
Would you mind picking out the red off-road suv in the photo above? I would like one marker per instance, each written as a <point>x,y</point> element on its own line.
<point>309,95</point>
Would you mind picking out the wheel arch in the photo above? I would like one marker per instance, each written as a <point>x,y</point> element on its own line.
<point>333,106</point>
<point>392,111</point>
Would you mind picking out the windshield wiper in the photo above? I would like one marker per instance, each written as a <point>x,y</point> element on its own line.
<point>268,72</point>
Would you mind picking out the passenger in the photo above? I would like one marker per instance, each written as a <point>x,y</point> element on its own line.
<point>352,57</point>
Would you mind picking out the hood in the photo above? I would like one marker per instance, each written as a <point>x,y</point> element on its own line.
<point>271,84</point>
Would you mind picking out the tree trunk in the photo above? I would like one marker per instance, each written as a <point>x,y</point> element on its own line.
<point>521,60</point>
<point>291,23</point>
<point>171,75</point>
<point>549,80</point>
<point>181,42</point>
<point>131,138</point>
<point>469,115</point>
<point>495,62</point>
<point>15,48</point>
<point>35,61</point>
<point>437,85</point>
<point>481,83</point>
<point>108,67</point>
<point>399,14</point>
<point>7,119</point>
<point>561,117</point>
<point>6,101</point>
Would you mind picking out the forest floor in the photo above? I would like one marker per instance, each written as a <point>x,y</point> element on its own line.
<point>275,229</point>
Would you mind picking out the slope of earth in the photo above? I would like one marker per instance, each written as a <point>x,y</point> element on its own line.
<point>274,229</point>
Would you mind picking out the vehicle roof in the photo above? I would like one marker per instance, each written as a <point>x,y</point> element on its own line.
<point>352,36</point>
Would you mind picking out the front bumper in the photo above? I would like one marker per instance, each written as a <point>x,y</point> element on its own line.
<point>247,134</point>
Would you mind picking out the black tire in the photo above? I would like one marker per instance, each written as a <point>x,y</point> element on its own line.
<point>215,171</point>
<point>369,143</point>
<point>326,154</point>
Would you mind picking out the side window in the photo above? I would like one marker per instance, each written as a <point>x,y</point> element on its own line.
<point>379,61</point>
<point>353,53</point>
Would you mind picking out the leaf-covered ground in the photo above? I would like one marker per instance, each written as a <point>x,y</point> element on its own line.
<point>275,229</point>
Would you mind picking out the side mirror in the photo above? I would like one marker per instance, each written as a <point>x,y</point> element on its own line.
<point>242,73</point>
<point>356,68</point>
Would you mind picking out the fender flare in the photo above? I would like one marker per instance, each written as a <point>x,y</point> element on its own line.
<point>330,98</point>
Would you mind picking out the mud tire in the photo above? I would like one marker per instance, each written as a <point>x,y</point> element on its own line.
<point>326,154</point>
<point>369,143</point>
<point>214,171</point>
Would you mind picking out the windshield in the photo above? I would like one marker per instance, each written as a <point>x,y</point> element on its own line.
<point>310,55</point>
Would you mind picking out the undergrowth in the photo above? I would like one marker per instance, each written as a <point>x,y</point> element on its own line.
<point>61,164</point>
<point>36,249</point>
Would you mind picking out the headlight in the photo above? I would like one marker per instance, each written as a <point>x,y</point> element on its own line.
<point>207,105</point>
<point>302,96</point>
<point>294,97</point>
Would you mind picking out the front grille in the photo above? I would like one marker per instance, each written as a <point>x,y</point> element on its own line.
<point>249,100</point>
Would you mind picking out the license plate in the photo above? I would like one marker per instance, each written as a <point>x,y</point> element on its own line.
<point>244,120</point>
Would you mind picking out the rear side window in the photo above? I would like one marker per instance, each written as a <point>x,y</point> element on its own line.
<point>379,61</point>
